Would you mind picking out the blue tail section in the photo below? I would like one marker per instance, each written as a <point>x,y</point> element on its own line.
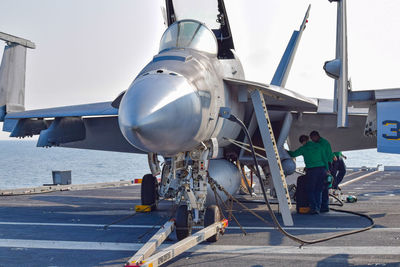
<point>282,72</point>
<point>388,124</point>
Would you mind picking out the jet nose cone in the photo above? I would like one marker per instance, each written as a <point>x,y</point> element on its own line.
<point>160,113</point>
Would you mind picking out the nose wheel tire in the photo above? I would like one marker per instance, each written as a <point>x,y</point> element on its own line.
<point>148,191</point>
<point>212,216</point>
<point>183,222</point>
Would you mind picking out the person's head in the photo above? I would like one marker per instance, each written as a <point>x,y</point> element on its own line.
<point>303,139</point>
<point>314,135</point>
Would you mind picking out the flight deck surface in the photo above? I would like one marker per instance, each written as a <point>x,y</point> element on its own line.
<point>67,229</point>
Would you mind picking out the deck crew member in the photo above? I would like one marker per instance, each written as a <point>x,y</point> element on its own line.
<point>317,165</point>
<point>338,169</point>
<point>330,157</point>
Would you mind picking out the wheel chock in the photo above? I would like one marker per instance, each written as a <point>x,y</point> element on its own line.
<point>142,208</point>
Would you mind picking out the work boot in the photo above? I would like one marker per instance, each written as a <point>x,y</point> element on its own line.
<point>312,212</point>
<point>324,210</point>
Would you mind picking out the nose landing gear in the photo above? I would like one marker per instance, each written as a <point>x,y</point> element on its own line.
<point>183,222</point>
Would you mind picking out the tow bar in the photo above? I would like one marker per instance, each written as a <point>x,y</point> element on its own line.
<point>143,256</point>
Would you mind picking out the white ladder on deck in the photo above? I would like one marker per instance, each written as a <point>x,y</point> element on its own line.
<point>274,161</point>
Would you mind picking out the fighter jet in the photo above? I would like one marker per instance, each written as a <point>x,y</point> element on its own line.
<point>180,107</point>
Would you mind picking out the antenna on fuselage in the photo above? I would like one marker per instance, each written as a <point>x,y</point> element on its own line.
<point>338,68</point>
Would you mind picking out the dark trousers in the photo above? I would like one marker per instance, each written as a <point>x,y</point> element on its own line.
<point>338,172</point>
<point>315,178</point>
<point>325,189</point>
<point>325,196</point>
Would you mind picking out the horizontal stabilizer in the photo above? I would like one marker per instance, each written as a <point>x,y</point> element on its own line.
<point>282,72</point>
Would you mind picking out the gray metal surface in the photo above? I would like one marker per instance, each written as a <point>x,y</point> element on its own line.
<point>341,139</point>
<point>227,175</point>
<point>103,133</point>
<point>173,104</point>
<point>366,98</point>
<point>67,229</point>
<point>16,40</point>
<point>86,110</point>
<point>275,96</point>
<point>12,78</point>
<point>342,82</point>
<point>282,72</point>
<point>161,113</point>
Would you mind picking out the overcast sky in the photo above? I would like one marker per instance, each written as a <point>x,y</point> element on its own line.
<point>89,51</point>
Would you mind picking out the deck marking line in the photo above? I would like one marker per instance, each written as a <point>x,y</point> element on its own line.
<point>358,178</point>
<point>139,226</point>
<point>220,249</point>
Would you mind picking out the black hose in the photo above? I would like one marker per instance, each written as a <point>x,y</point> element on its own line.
<point>271,212</point>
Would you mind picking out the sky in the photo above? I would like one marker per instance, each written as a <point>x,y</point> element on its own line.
<point>90,51</point>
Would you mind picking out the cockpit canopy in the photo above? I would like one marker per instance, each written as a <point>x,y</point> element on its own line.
<point>189,34</point>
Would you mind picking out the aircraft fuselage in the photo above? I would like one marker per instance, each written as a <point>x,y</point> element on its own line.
<point>173,104</point>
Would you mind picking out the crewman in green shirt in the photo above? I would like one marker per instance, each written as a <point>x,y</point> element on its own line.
<point>316,167</point>
<point>316,138</point>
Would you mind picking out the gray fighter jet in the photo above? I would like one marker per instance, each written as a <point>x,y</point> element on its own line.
<point>179,108</point>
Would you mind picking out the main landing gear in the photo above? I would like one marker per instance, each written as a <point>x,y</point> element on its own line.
<point>212,215</point>
<point>149,191</point>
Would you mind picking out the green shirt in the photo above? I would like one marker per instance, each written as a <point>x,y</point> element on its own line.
<point>313,154</point>
<point>327,148</point>
<point>338,154</point>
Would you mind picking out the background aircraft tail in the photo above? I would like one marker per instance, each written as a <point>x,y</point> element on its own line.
<point>282,72</point>
<point>12,74</point>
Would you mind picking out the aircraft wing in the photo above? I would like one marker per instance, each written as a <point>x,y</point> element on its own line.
<point>310,114</point>
<point>341,139</point>
<point>95,109</point>
<point>89,126</point>
<point>276,97</point>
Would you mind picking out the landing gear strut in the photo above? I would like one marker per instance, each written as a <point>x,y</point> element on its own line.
<point>149,191</point>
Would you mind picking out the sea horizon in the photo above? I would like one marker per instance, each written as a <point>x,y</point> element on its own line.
<point>25,165</point>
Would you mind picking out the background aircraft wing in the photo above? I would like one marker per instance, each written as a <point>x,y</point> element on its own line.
<point>89,126</point>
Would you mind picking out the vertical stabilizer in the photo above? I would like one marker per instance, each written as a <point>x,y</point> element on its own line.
<point>282,72</point>
<point>337,68</point>
<point>12,74</point>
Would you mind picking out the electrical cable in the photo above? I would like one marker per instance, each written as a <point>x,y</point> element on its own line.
<point>302,242</point>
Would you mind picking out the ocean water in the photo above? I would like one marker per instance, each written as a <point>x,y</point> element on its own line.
<point>22,164</point>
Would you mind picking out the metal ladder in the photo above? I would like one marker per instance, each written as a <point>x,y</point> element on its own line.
<point>271,150</point>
